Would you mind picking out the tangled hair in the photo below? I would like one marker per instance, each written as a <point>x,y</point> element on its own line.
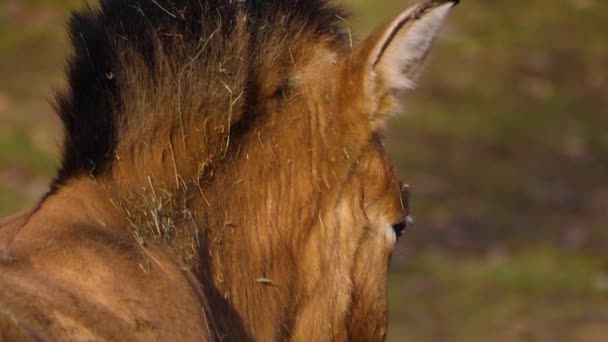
<point>141,69</point>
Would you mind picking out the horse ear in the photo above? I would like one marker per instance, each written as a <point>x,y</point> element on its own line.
<point>391,58</point>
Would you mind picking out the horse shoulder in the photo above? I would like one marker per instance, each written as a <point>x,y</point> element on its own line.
<point>73,269</point>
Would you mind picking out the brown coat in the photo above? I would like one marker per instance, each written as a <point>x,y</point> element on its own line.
<point>223,177</point>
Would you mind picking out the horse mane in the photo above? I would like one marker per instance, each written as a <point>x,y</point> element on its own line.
<point>160,70</point>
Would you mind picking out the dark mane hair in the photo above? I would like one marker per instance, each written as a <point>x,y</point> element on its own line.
<point>141,50</point>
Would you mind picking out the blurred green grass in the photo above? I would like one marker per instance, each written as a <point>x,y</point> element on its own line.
<point>11,200</point>
<point>17,148</point>
<point>539,294</point>
<point>503,144</point>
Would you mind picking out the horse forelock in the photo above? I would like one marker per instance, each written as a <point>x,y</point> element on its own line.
<point>161,80</point>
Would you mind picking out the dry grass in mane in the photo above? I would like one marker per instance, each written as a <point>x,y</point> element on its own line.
<point>159,92</point>
<point>232,152</point>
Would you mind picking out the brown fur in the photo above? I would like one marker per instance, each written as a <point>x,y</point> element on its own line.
<point>233,207</point>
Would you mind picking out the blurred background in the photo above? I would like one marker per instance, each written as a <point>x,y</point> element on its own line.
<point>504,144</point>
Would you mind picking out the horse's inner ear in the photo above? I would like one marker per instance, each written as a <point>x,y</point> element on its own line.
<point>393,56</point>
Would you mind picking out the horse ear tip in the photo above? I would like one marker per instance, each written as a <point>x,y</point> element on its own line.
<point>454,2</point>
<point>436,3</point>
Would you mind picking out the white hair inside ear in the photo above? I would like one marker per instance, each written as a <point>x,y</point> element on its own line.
<point>400,57</point>
<point>398,52</point>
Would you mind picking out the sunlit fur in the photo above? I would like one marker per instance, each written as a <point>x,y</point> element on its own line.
<point>223,178</point>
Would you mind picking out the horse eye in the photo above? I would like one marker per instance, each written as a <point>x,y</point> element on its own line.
<point>400,226</point>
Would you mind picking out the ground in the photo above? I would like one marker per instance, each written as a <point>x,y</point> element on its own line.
<point>503,145</point>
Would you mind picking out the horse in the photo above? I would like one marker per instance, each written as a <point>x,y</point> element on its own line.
<point>223,176</point>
